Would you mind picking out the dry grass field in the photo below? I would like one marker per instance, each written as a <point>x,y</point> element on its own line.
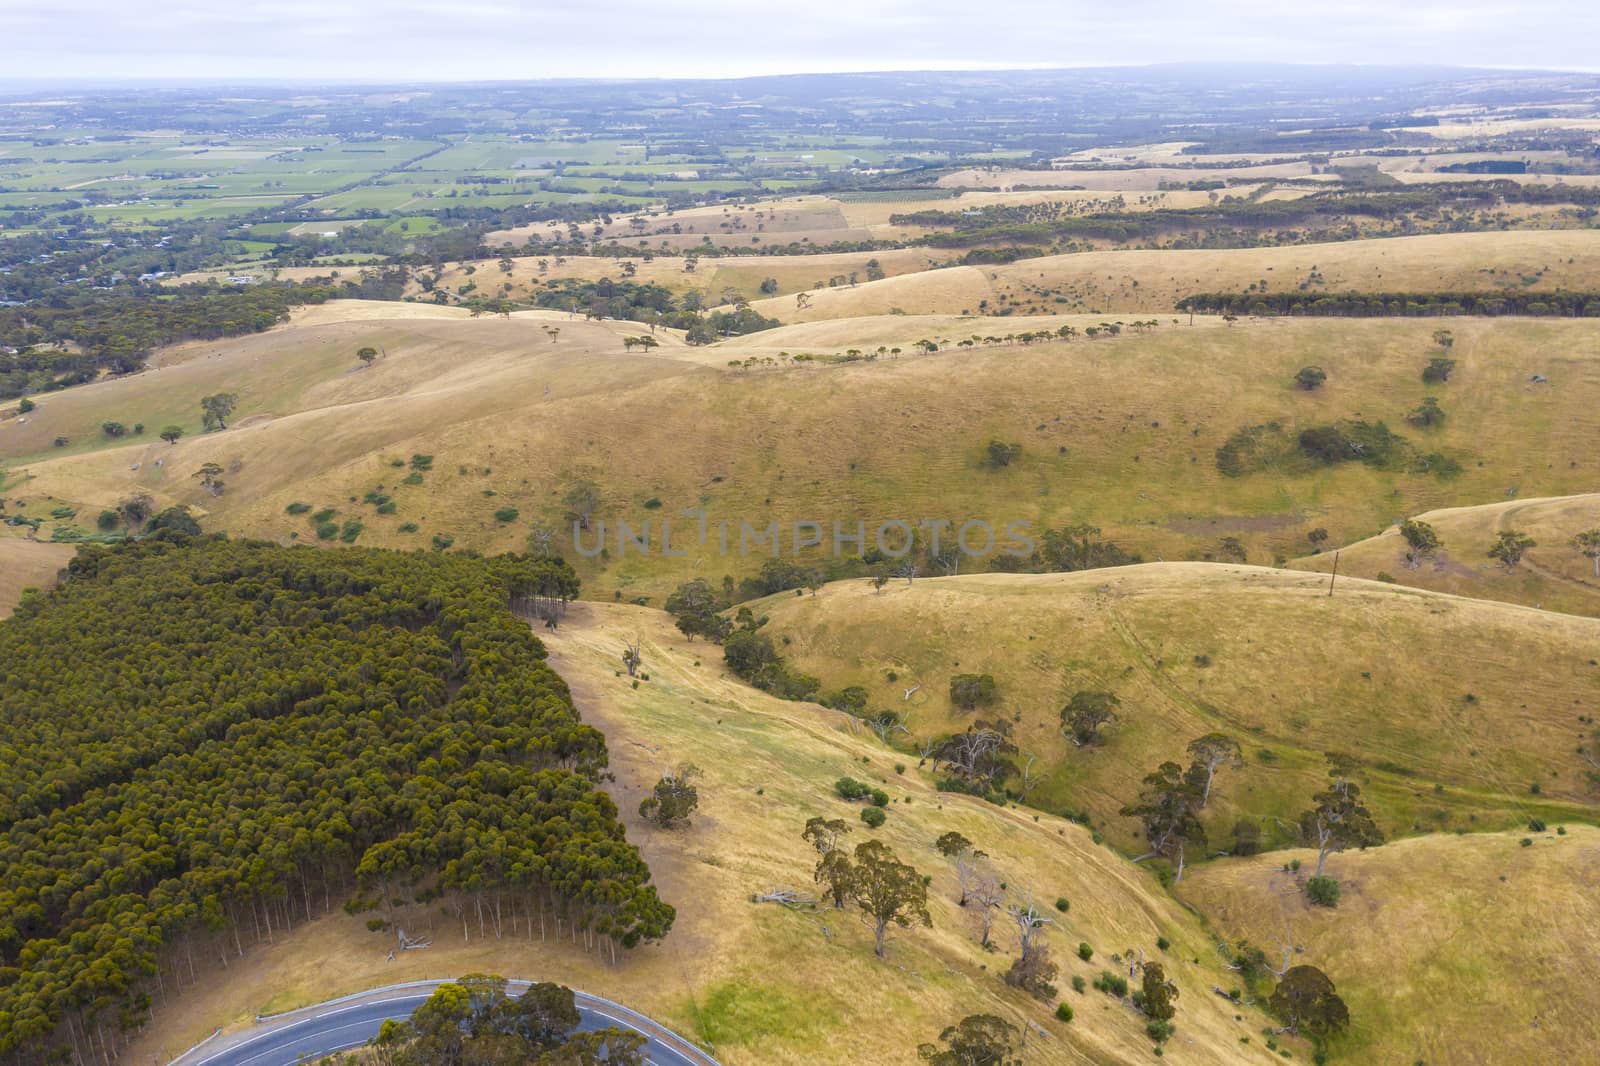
<point>759,983</point>
<point>27,564</point>
<point>1154,281</point>
<point>1434,694</point>
<point>513,418</point>
<point>1474,950</point>
<point>1553,575</point>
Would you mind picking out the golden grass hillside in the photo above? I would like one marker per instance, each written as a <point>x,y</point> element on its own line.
<point>1154,281</point>
<point>1468,950</point>
<point>757,982</point>
<point>27,564</point>
<point>1457,708</point>
<point>1554,574</point>
<point>513,419</point>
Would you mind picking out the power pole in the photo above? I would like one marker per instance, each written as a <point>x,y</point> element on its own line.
<point>1335,575</point>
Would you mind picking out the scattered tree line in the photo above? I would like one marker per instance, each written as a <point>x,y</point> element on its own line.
<point>1396,304</point>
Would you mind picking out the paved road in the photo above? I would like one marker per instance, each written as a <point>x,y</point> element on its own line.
<point>306,1035</point>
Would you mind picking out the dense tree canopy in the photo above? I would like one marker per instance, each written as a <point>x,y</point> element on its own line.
<point>202,739</point>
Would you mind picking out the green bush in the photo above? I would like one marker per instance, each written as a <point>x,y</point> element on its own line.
<point>422,462</point>
<point>506,514</point>
<point>352,529</point>
<point>324,515</point>
<point>1063,1012</point>
<point>1112,984</point>
<point>108,520</point>
<point>880,798</point>
<point>442,542</point>
<point>413,478</point>
<point>1323,891</point>
<point>873,816</point>
<point>388,507</point>
<point>1085,952</point>
<point>298,508</point>
<point>1062,904</point>
<point>327,530</point>
<point>1078,983</point>
<point>409,527</point>
<point>851,789</point>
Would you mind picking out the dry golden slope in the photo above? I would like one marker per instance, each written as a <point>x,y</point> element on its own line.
<point>513,419</point>
<point>1153,281</point>
<point>1553,574</point>
<point>759,983</point>
<point>1464,950</point>
<point>25,564</point>
<point>1481,698</point>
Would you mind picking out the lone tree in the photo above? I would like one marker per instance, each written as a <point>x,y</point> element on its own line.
<point>1086,712</point>
<point>959,850</point>
<point>674,800</point>
<point>825,834</point>
<point>1509,546</point>
<point>694,606</point>
<point>215,410</point>
<point>977,1040</point>
<point>209,476</point>
<point>1032,970</point>
<point>366,355</point>
<point>1212,752</point>
<point>1158,993</point>
<point>1305,999</point>
<point>1422,542</point>
<point>633,655</point>
<point>1588,544</point>
<point>1339,820</point>
<point>887,890</point>
<point>582,499</point>
<point>967,691</point>
<point>1310,378</point>
<point>1166,809</point>
<point>171,434</point>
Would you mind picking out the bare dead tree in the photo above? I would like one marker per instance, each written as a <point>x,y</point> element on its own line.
<point>632,656</point>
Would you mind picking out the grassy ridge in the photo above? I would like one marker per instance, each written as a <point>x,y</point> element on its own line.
<point>1433,694</point>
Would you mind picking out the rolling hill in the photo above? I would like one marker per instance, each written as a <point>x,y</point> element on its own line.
<point>1433,694</point>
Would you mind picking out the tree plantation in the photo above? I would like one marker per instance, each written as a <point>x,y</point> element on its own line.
<point>206,742</point>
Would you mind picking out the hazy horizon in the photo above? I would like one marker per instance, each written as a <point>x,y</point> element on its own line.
<point>98,42</point>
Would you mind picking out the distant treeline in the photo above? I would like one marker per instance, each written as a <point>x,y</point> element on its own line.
<point>79,334</point>
<point>651,304</point>
<point>1034,224</point>
<point>1396,304</point>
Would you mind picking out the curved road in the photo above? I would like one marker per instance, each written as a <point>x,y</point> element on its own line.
<point>339,1025</point>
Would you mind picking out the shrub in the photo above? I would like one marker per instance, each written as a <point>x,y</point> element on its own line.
<point>1085,952</point>
<point>880,798</point>
<point>967,691</point>
<point>1536,825</point>
<point>352,529</point>
<point>1310,378</point>
<point>413,478</point>
<point>324,515</point>
<point>442,542</point>
<point>113,429</point>
<point>1062,904</point>
<point>376,925</point>
<point>1323,891</point>
<point>327,530</point>
<point>388,507</point>
<point>506,514</point>
<point>108,520</point>
<point>25,405</point>
<point>1162,943</point>
<point>1064,1010</point>
<point>873,816</point>
<point>298,508</point>
<point>1078,983</point>
<point>409,527</point>
<point>422,462</point>
<point>1112,984</point>
<point>851,789</point>
<point>1159,1030</point>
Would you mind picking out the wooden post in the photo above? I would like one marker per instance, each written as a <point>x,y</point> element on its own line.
<point>1335,575</point>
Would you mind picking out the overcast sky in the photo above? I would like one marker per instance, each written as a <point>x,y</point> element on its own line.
<point>411,40</point>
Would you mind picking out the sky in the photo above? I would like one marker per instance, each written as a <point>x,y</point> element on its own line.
<point>472,40</point>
